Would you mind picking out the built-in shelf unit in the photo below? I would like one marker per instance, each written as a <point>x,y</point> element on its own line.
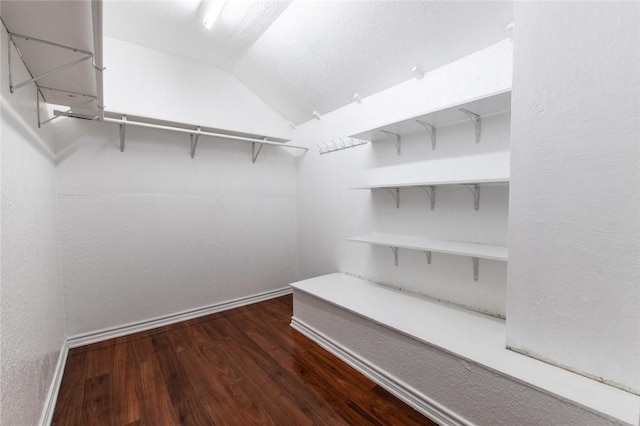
<point>472,250</point>
<point>471,111</point>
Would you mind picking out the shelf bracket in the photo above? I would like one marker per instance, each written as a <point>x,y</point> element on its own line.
<point>395,193</point>
<point>475,191</point>
<point>475,268</point>
<point>122,131</point>
<point>66,113</point>
<point>431,193</point>
<point>431,129</point>
<point>395,254</point>
<point>428,254</point>
<point>395,137</point>
<point>256,152</point>
<point>193,139</point>
<point>475,120</point>
<point>12,87</point>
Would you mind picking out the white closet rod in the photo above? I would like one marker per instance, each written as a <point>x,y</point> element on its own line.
<point>201,133</point>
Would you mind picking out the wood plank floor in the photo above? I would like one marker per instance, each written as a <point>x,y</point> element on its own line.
<point>240,367</point>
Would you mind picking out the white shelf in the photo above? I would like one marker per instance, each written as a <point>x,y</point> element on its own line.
<point>474,109</point>
<point>496,180</point>
<point>472,250</point>
<point>481,251</point>
<point>468,335</point>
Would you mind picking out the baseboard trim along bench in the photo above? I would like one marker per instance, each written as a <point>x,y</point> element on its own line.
<point>446,362</point>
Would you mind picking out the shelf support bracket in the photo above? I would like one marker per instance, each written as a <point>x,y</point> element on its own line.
<point>395,193</point>
<point>431,193</point>
<point>87,55</point>
<point>396,139</point>
<point>431,130</point>
<point>475,268</point>
<point>395,254</point>
<point>193,139</point>
<point>256,153</point>
<point>122,133</point>
<point>475,120</point>
<point>63,113</point>
<point>428,254</point>
<point>475,191</point>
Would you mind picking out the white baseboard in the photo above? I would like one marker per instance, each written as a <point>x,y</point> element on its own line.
<point>136,327</point>
<point>54,388</point>
<point>401,390</point>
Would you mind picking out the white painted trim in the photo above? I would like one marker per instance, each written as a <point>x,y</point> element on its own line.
<point>420,402</point>
<point>136,327</point>
<point>54,388</point>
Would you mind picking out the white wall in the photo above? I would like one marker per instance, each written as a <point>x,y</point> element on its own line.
<point>150,231</point>
<point>147,82</point>
<point>574,227</point>
<point>329,212</point>
<point>31,306</point>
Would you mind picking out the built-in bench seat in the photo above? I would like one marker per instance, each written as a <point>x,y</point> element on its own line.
<point>447,362</point>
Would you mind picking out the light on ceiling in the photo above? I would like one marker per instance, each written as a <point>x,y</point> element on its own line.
<point>417,72</point>
<point>212,14</point>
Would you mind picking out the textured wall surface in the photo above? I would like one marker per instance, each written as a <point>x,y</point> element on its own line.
<point>574,226</point>
<point>329,212</point>
<point>150,231</point>
<point>146,82</point>
<point>31,307</point>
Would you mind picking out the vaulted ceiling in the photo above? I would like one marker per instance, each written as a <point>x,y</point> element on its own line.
<point>300,56</point>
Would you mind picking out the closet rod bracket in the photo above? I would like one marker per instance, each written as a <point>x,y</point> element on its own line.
<point>122,131</point>
<point>68,112</point>
<point>396,139</point>
<point>431,130</point>
<point>428,254</point>
<point>193,139</point>
<point>256,152</point>
<point>475,120</point>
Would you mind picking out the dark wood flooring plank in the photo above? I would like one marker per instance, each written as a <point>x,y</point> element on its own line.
<point>244,366</point>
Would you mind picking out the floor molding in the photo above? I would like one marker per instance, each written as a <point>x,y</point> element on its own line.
<point>110,333</point>
<point>54,388</point>
<point>399,389</point>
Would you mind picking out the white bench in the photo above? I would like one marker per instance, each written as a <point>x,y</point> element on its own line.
<point>448,363</point>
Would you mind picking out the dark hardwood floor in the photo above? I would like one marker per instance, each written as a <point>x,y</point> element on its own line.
<point>240,367</point>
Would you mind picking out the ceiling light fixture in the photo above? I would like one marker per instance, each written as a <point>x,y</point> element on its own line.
<point>212,14</point>
<point>417,72</point>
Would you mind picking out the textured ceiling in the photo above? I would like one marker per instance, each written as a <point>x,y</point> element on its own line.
<point>303,56</point>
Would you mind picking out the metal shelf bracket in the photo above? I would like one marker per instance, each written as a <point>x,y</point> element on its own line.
<point>428,254</point>
<point>58,114</point>
<point>395,137</point>
<point>12,87</point>
<point>431,130</point>
<point>475,192</point>
<point>255,153</point>
<point>395,193</point>
<point>475,268</point>
<point>193,139</point>
<point>395,254</point>
<point>475,120</point>
<point>431,193</point>
<point>122,133</point>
